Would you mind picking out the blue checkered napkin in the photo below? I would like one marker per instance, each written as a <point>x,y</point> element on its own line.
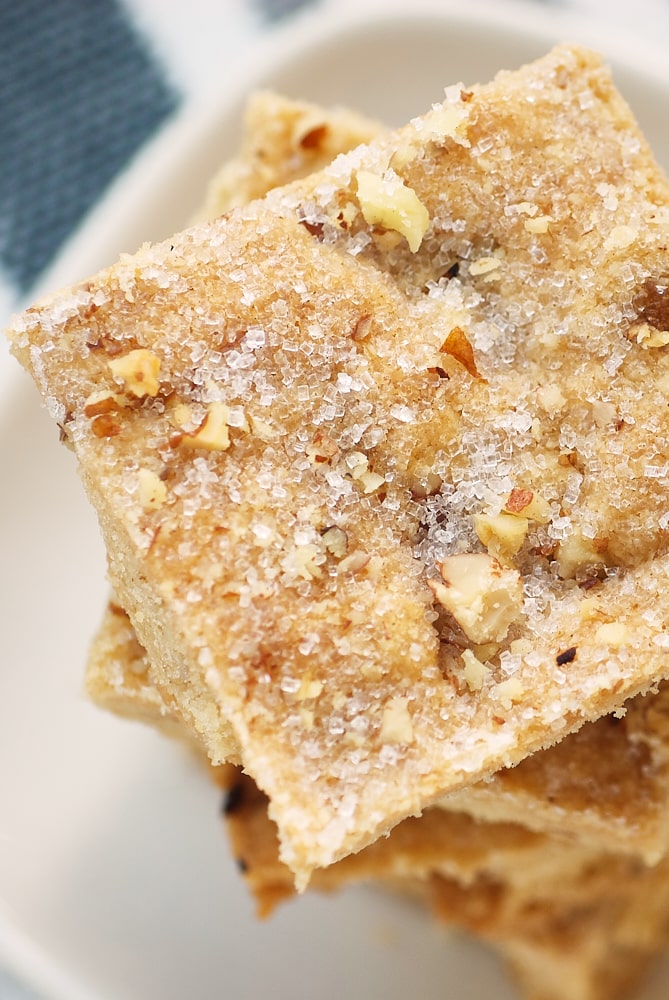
<point>79,93</point>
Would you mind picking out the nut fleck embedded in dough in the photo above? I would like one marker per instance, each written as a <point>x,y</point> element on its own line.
<point>648,336</point>
<point>303,560</point>
<point>447,121</point>
<point>539,224</point>
<point>510,692</point>
<point>502,534</point>
<point>370,482</point>
<point>577,552</point>
<point>484,265</point>
<point>357,464</point>
<point>152,490</point>
<point>483,596</point>
<point>139,372</point>
<point>396,725</point>
<point>613,633</point>
<point>458,346</point>
<point>335,541</point>
<point>321,449</point>
<point>354,562</point>
<point>261,428</point>
<point>105,426</point>
<point>212,434</point>
<point>474,671</point>
<point>528,504</point>
<point>362,328</point>
<point>102,401</point>
<point>519,500</point>
<point>387,201</point>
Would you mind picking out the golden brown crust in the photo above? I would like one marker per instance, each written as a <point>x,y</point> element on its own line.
<point>333,674</point>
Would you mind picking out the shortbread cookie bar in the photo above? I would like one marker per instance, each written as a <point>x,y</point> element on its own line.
<point>561,953</point>
<point>605,785</point>
<point>574,924</point>
<point>452,845</point>
<point>282,140</point>
<point>608,783</point>
<point>378,459</point>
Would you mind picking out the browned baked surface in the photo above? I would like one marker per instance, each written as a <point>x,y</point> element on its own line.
<point>339,390</point>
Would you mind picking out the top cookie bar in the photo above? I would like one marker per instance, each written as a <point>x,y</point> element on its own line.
<point>379,458</point>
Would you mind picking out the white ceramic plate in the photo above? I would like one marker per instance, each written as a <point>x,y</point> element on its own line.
<point>115,879</point>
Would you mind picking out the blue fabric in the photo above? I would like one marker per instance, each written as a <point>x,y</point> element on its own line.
<point>273,10</point>
<point>11,989</point>
<point>79,93</point>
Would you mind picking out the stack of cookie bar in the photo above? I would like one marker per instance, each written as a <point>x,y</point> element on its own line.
<point>379,460</point>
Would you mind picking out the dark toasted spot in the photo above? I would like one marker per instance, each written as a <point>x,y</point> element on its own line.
<point>233,799</point>
<point>652,303</point>
<point>315,137</point>
<point>315,228</point>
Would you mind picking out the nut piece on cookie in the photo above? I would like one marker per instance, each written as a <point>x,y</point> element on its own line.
<point>483,596</point>
<point>388,202</point>
<point>502,534</point>
<point>212,434</point>
<point>152,490</point>
<point>474,672</point>
<point>396,726</point>
<point>648,336</point>
<point>139,372</point>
